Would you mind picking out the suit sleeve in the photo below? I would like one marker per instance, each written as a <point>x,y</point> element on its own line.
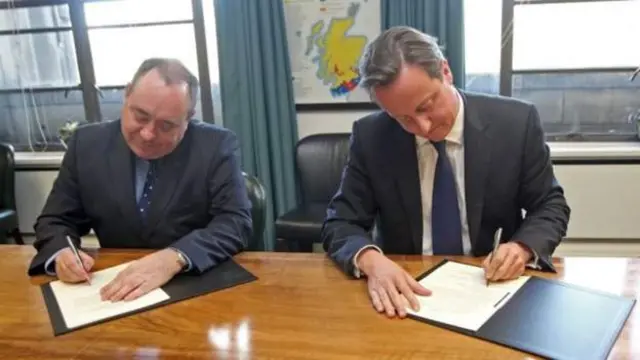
<point>351,212</point>
<point>230,227</point>
<point>62,214</point>
<point>540,194</point>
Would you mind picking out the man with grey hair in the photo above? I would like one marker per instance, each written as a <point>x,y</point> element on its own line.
<point>439,170</point>
<point>152,179</point>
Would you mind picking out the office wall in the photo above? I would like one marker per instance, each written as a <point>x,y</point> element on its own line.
<point>32,188</point>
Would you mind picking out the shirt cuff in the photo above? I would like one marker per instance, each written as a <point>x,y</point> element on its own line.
<point>50,265</point>
<point>533,264</point>
<point>189,263</point>
<point>356,271</point>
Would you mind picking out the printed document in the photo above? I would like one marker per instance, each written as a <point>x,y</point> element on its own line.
<point>80,304</point>
<point>460,296</point>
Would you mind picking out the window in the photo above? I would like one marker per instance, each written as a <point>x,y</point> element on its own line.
<point>576,35</point>
<point>212,54</point>
<point>142,29</point>
<point>140,43</point>
<point>135,12</point>
<point>482,45</point>
<point>71,60</point>
<point>577,67</point>
<point>38,76</point>
<point>46,17</point>
<point>572,59</point>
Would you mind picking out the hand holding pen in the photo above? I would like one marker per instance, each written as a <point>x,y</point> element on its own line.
<point>73,265</point>
<point>507,261</point>
<point>496,243</point>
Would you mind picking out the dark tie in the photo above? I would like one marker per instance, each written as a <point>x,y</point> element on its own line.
<point>145,199</point>
<point>446,229</point>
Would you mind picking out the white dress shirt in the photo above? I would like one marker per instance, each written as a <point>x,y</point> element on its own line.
<point>427,158</point>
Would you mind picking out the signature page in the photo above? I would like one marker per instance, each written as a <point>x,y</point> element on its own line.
<point>80,304</point>
<point>460,296</point>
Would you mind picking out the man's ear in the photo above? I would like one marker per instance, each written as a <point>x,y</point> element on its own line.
<point>447,75</point>
<point>190,114</point>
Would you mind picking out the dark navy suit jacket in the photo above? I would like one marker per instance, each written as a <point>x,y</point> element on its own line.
<point>199,205</point>
<point>507,169</point>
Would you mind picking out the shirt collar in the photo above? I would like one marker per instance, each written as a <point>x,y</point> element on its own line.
<point>457,130</point>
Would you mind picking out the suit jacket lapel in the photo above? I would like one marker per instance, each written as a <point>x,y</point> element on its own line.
<point>403,161</point>
<point>120,163</point>
<point>477,156</point>
<point>170,172</point>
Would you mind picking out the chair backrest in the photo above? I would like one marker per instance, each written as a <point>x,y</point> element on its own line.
<point>258,198</point>
<point>320,160</point>
<point>7,177</point>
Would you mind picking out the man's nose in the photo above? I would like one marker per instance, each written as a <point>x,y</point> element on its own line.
<point>424,123</point>
<point>147,133</point>
<point>423,118</point>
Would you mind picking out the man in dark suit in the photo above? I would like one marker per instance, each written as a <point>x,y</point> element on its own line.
<point>438,171</point>
<point>153,179</point>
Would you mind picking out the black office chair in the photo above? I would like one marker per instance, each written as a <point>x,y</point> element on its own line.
<point>8,213</point>
<point>258,198</point>
<point>320,160</point>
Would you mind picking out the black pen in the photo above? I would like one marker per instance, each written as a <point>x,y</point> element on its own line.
<point>77,256</point>
<point>496,243</point>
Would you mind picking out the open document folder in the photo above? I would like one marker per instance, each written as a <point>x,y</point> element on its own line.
<point>461,296</point>
<point>540,316</point>
<point>80,304</point>
<point>74,306</point>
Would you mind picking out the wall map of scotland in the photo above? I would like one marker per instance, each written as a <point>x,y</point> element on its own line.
<point>326,40</point>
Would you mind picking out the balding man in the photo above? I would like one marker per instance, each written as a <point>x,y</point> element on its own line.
<point>152,179</point>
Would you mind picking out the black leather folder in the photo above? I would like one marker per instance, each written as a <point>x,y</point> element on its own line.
<point>553,319</point>
<point>181,287</point>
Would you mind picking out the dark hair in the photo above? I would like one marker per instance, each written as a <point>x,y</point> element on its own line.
<point>394,48</point>
<point>172,72</point>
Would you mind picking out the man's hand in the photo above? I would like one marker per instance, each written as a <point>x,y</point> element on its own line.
<point>67,268</point>
<point>144,275</point>
<point>390,287</point>
<point>507,263</point>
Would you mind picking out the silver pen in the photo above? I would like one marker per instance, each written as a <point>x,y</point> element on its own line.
<point>496,243</point>
<point>76,254</point>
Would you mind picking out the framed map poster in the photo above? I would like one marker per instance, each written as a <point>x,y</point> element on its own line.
<point>326,40</point>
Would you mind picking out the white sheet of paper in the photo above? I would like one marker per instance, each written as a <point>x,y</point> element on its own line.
<point>460,296</point>
<point>80,304</point>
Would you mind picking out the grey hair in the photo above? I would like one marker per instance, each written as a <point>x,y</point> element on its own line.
<point>385,56</point>
<point>172,72</point>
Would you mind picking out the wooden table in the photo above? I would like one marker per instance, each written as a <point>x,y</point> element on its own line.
<point>302,307</point>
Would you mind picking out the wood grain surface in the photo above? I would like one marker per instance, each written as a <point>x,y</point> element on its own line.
<point>302,307</point>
